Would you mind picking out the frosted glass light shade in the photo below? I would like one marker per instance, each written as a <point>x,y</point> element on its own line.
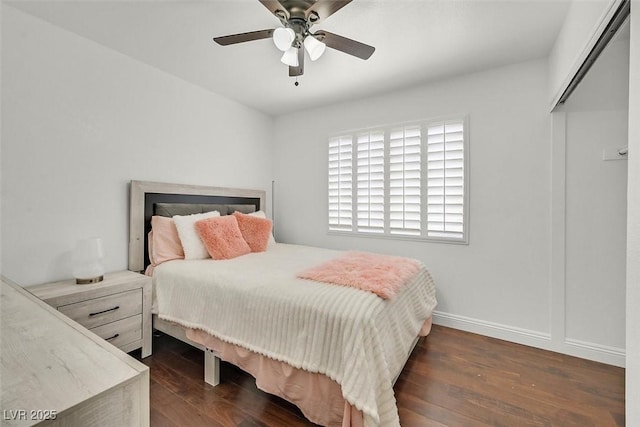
<point>314,47</point>
<point>283,37</point>
<point>87,261</point>
<point>290,57</point>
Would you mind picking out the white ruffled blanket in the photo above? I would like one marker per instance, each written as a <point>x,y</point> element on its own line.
<point>255,301</point>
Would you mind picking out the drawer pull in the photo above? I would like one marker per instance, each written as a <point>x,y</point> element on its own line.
<point>104,311</point>
<point>113,337</point>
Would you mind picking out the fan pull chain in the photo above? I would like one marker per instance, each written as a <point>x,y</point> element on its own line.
<point>296,83</point>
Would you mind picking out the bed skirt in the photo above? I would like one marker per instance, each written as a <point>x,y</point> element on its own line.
<point>318,396</point>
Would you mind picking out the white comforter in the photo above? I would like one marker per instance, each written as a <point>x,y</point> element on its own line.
<point>356,338</point>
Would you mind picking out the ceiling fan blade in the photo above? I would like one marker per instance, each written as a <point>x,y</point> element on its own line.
<point>325,8</point>
<point>243,37</point>
<point>276,8</point>
<point>343,44</point>
<point>299,70</point>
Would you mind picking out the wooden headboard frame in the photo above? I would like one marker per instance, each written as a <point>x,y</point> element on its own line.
<point>145,194</point>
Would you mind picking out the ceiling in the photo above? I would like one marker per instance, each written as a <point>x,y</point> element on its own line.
<point>417,41</point>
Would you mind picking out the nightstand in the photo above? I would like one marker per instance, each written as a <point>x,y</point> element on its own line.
<point>118,309</point>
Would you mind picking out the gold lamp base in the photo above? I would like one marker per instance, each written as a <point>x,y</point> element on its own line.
<point>88,281</point>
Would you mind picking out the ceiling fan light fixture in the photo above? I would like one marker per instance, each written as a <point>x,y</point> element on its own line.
<point>314,47</point>
<point>296,18</point>
<point>283,37</point>
<point>290,57</point>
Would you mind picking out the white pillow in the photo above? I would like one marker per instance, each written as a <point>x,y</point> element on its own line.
<point>191,244</point>
<point>261,214</point>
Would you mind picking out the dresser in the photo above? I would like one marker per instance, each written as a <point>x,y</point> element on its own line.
<point>117,309</point>
<point>56,372</point>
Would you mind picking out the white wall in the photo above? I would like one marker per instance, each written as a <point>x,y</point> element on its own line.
<point>583,25</point>
<point>596,208</point>
<point>633,228</point>
<point>80,121</point>
<point>1,189</point>
<point>499,283</point>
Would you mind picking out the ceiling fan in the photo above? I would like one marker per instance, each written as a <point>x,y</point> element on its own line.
<point>297,17</point>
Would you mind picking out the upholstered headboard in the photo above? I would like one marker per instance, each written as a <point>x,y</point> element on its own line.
<point>149,197</point>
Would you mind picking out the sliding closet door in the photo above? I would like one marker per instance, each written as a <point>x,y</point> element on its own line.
<point>596,203</point>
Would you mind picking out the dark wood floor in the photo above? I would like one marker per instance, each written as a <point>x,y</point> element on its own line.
<point>453,378</point>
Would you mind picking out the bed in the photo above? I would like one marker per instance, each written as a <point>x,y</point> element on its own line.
<point>334,351</point>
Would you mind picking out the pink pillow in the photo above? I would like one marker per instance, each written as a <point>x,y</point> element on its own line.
<point>164,243</point>
<point>256,231</point>
<point>222,237</point>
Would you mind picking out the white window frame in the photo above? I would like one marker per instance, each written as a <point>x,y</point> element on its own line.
<point>387,129</point>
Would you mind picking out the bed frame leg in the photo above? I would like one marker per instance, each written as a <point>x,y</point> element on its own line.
<point>211,368</point>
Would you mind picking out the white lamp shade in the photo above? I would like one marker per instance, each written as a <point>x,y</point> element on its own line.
<point>283,37</point>
<point>290,57</point>
<point>87,259</point>
<point>314,47</point>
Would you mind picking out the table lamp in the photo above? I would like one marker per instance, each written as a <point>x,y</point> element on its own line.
<point>87,261</point>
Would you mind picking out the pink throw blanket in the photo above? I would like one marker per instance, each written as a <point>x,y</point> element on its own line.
<point>384,275</point>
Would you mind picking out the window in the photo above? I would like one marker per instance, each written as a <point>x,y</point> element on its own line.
<point>407,180</point>
<point>340,183</point>
<point>370,179</point>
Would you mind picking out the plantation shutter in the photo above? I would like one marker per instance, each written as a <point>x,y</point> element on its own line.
<point>404,181</point>
<point>445,179</point>
<point>340,183</point>
<point>370,178</point>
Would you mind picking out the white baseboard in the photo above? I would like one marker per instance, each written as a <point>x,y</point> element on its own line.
<point>585,350</point>
<point>495,330</point>
<point>598,352</point>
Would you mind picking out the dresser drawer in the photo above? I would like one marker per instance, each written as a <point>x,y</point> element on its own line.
<point>121,332</point>
<point>100,311</point>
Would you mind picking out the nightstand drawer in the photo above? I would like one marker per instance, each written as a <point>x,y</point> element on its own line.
<point>121,332</point>
<point>100,311</point>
